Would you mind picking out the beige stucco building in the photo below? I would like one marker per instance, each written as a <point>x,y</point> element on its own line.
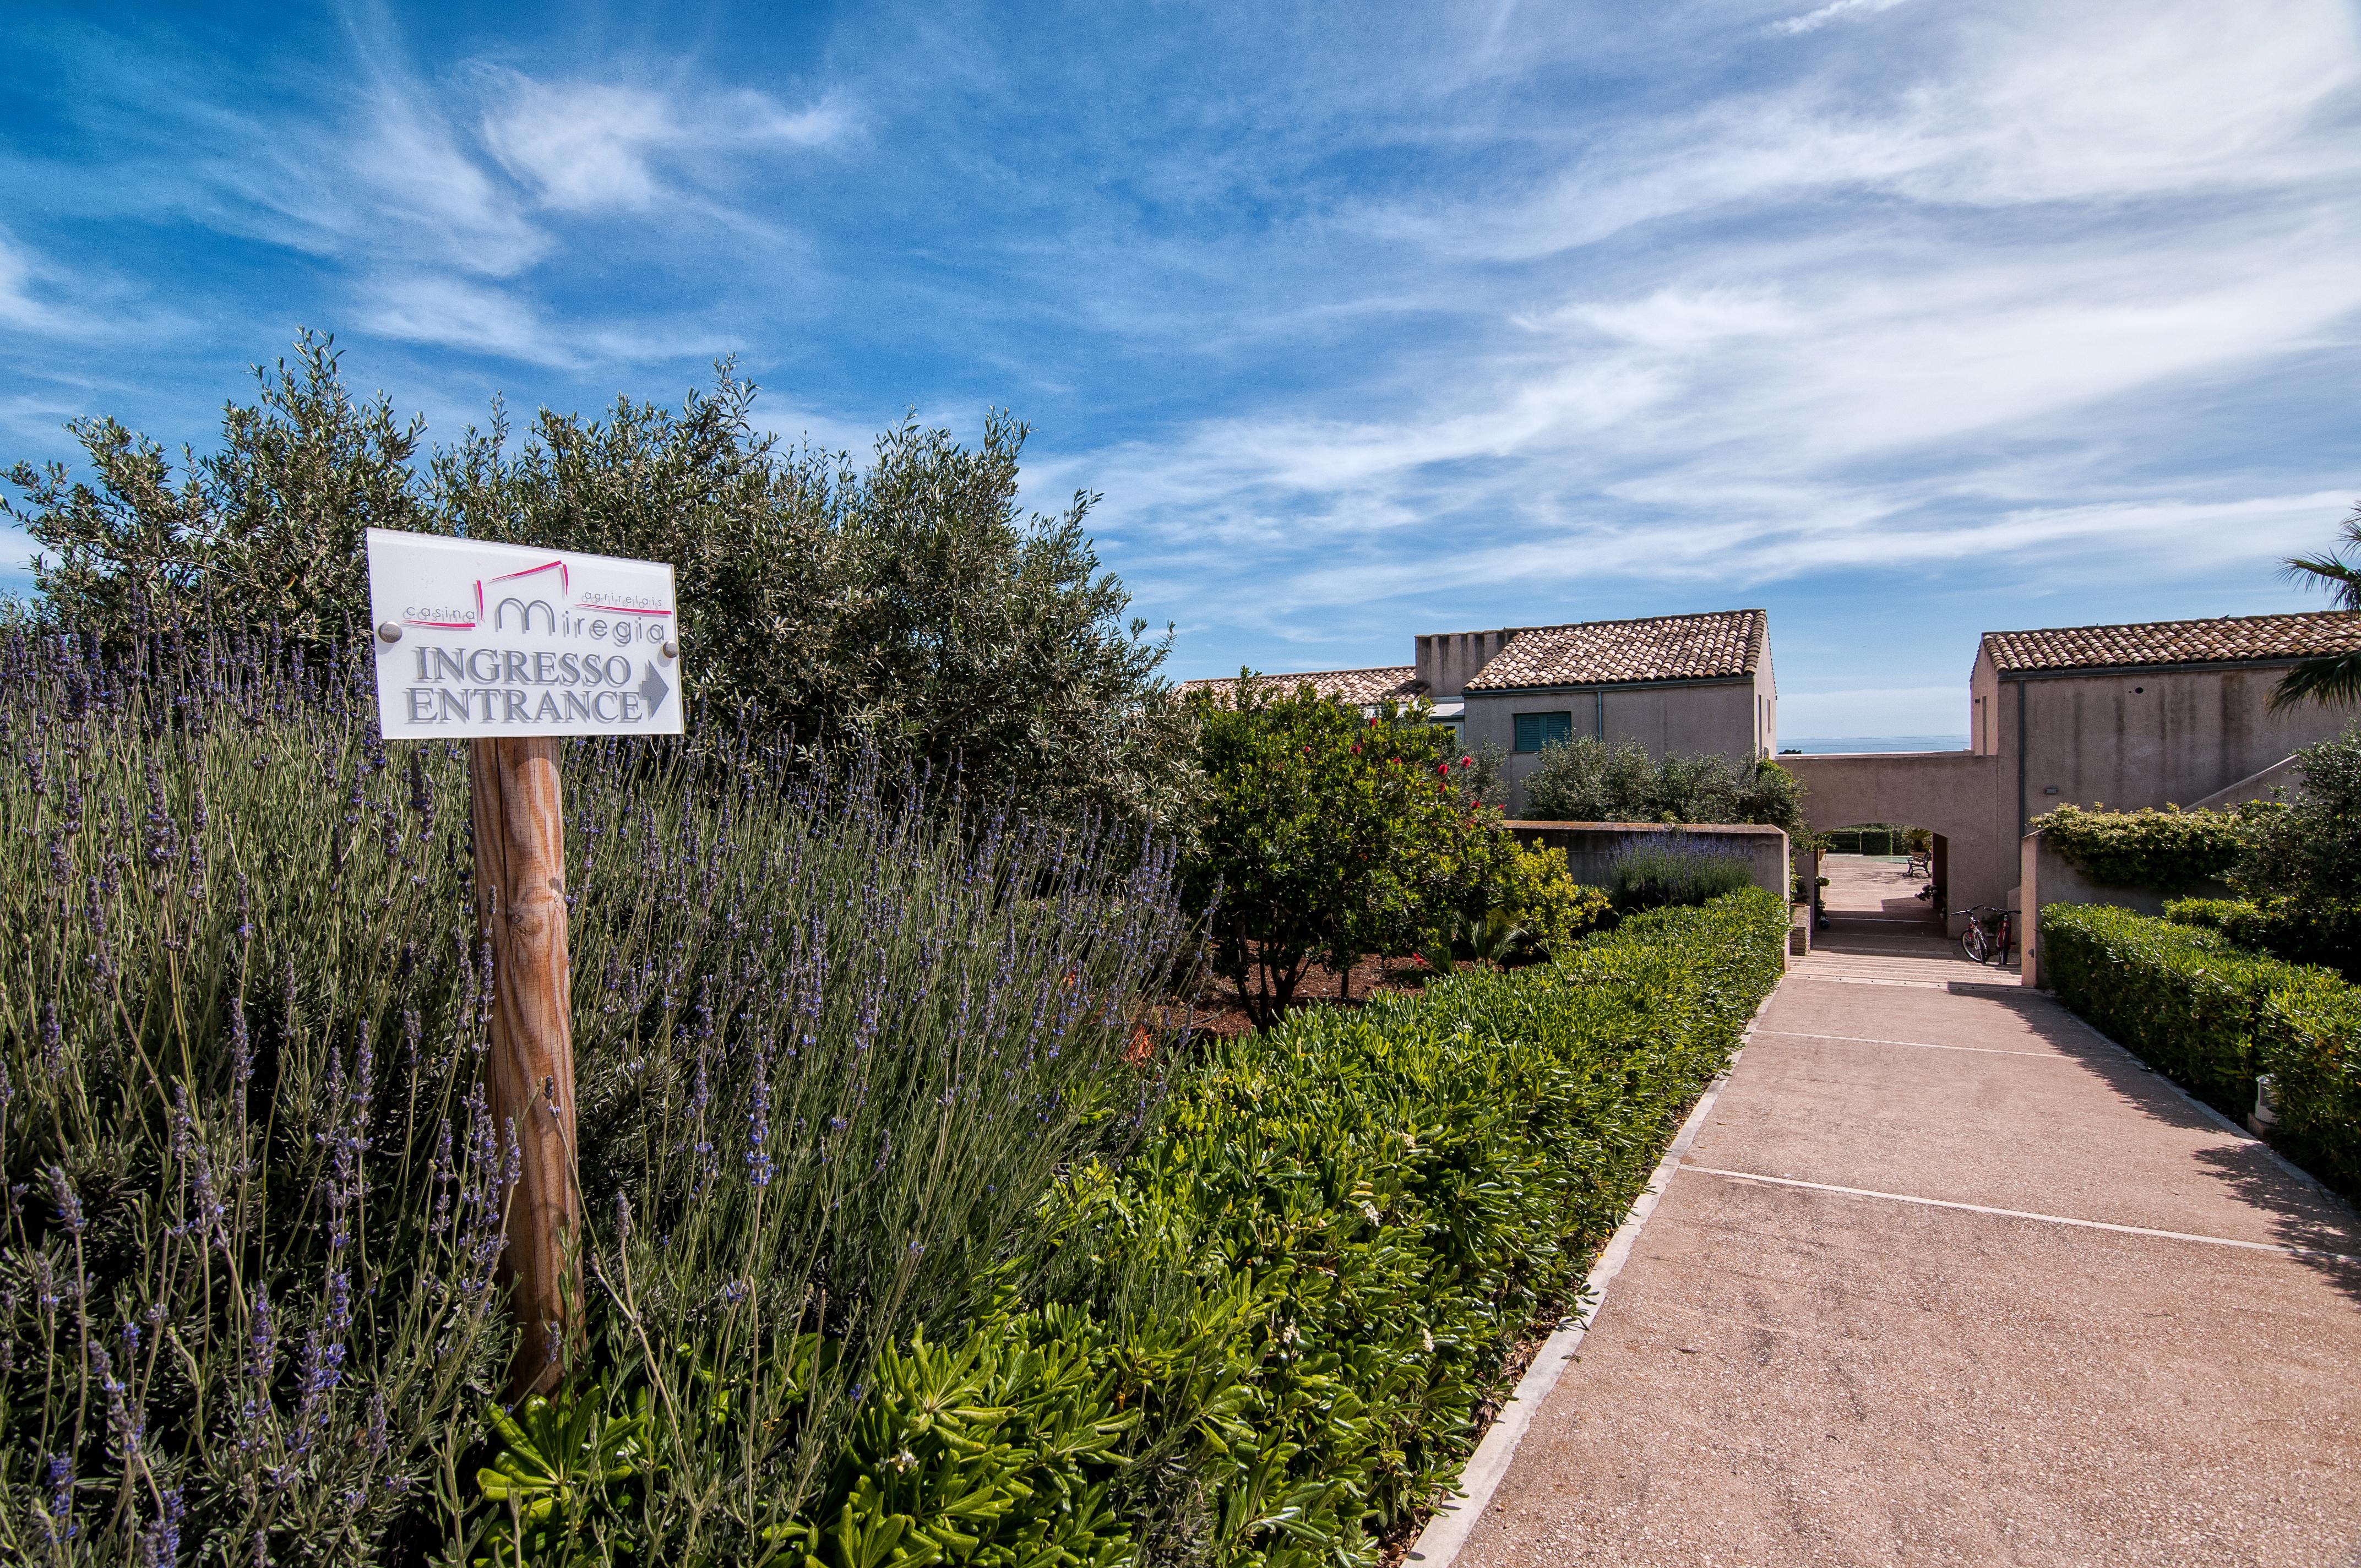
<point>2158,713</point>
<point>1688,683</point>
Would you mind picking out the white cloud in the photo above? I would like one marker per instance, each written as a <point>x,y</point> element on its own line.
<point>18,308</point>
<point>592,146</point>
<point>1812,21</point>
<point>475,317</point>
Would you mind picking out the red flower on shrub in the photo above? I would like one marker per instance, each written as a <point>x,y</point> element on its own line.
<point>1467,761</point>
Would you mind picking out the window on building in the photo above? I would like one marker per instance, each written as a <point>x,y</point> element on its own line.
<point>1535,730</point>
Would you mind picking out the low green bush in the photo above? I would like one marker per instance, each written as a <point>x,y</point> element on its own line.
<point>2168,851</point>
<point>1266,1338</point>
<point>2242,920</point>
<point>2212,1016</point>
<point>1540,898</point>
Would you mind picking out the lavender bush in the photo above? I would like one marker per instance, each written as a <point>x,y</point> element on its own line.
<point>834,1039</point>
<point>1659,869</point>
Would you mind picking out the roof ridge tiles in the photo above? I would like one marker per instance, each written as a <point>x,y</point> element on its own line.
<point>2275,635</point>
<point>1696,645</point>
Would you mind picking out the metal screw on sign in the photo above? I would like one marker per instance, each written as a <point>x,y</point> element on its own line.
<point>515,649</point>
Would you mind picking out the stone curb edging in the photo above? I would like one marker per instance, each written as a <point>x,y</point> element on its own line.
<point>1454,1520</point>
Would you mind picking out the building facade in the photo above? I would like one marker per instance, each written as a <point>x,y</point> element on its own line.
<point>2151,714</point>
<point>1686,684</point>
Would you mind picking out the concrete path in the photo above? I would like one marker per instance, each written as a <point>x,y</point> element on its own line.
<point>1947,1279</point>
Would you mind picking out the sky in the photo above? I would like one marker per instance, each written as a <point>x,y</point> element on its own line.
<point>1904,319</point>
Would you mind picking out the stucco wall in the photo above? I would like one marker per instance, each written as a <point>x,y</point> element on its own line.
<point>1956,794</point>
<point>2123,740</point>
<point>2151,738</point>
<point>2049,877</point>
<point>1689,718</point>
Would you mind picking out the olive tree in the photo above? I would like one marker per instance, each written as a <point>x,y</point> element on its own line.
<point>908,605</point>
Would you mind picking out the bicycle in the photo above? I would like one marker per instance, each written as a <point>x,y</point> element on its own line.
<point>1986,939</point>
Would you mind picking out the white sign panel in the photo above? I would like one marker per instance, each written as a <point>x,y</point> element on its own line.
<point>476,639</point>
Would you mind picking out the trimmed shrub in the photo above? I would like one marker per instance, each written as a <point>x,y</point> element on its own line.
<point>1541,898</point>
<point>2212,1016</point>
<point>2168,850</point>
<point>1295,1300</point>
<point>2246,923</point>
<point>1676,869</point>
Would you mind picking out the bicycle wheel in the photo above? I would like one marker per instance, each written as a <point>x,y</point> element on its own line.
<point>1974,940</point>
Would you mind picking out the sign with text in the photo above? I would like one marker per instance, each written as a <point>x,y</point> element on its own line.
<point>476,639</point>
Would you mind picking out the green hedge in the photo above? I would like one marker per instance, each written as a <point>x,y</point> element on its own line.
<point>2212,1016</point>
<point>1266,1338</point>
<point>2326,932</point>
<point>2168,851</point>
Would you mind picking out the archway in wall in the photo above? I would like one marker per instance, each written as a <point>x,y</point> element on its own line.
<point>1879,877</point>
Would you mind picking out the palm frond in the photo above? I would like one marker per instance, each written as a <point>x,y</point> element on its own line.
<point>2331,680</point>
<point>2331,569</point>
<point>2341,577</point>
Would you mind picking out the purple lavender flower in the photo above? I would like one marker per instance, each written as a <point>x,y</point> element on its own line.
<point>69,1205</point>
<point>758,1125</point>
<point>62,1483</point>
<point>262,1341</point>
<point>160,1544</point>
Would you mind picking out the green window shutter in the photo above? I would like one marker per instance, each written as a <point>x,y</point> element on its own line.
<point>1535,730</point>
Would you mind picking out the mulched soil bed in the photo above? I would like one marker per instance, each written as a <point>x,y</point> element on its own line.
<point>1219,1010</point>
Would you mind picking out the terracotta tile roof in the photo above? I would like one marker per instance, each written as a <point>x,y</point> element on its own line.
<point>1603,653</point>
<point>1360,687</point>
<point>2232,637</point>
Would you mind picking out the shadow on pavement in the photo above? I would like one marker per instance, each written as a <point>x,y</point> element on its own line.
<point>2301,1214</point>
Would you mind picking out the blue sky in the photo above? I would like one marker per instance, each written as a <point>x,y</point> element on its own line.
<point>1907,319</point>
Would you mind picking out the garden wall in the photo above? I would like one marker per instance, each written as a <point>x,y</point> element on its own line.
<point>2047,877</point>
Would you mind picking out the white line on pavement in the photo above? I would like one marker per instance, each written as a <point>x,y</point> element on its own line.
<point>1922,1044</point>
<point>2022,1215</point>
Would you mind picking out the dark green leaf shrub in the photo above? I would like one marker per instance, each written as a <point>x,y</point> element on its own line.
<point>2304,864</point>
<point>2212,1016</point>
<point>2166,851</point>
<point>1306,1280</point>
<point>1324,834</point>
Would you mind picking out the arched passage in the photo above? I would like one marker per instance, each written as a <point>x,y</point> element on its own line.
<point>1954,795</point>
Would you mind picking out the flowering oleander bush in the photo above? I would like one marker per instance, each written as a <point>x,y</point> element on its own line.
<point>1325,834</point>
<point>834,1041</point>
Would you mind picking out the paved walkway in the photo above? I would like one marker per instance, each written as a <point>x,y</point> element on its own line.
<point>1946,1279</point>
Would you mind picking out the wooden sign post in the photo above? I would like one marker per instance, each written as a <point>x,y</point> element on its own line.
<point>520,822</point>
<point>513,650</point>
